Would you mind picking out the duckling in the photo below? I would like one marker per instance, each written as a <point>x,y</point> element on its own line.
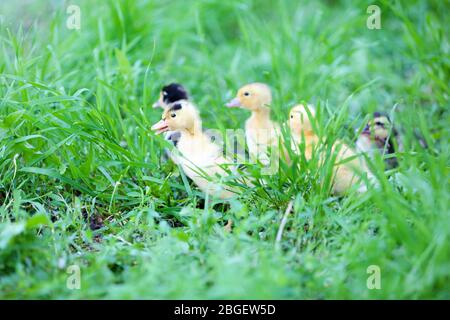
<point>344,176</point>
<point>197,155</point>
<point>379,135</point>
<point>302,129</point>
<point>260,131</point>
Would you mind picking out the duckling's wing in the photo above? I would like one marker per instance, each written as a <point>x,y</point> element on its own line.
<point>174,137</point>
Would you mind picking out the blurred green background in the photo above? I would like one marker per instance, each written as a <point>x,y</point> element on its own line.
<point>82,181</point>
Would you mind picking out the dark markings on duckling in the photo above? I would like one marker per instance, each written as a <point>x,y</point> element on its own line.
<point>175,107</point>
<point>393,135</point>
<point>389,144</point>
<point>174,92</point>
<point>174,137</point>
<point>385,143</point>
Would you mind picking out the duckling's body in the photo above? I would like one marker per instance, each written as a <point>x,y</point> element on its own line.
<point>347,165</point>
<point>302,131</point>
<point>347,174</point>
<point>309,140</point>
<point>260,131</point>
<point>198,157</point>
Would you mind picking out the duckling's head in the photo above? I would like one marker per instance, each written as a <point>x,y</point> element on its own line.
<point>380,126</point>
<point>253,96</point>
<point>169,94</point>
<point>181,116</point>
<point>299,121</point>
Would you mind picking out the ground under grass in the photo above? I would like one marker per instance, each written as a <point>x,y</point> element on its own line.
<point>82,182</point>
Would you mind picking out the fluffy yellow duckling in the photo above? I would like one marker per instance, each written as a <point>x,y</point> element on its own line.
<point>302,129</point>
<point>345,174</point>
<point>197,155</point>
<point>260,131</point>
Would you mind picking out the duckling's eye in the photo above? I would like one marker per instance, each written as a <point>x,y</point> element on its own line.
<point>246,94</point>
<point>378,123</point>
<point>292,116</point>
<point>173,115</point>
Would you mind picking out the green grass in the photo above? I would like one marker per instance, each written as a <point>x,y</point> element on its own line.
<point>75,147</point>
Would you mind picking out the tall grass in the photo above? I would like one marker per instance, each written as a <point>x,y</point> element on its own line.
<point>81,176</point>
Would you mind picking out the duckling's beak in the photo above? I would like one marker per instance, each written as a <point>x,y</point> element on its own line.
<point>160,127</point>
<point>234,103</point>
<point>366,130</point>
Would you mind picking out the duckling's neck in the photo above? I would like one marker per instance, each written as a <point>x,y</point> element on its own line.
<point>260,115</point>
<point>194,131</point>
<point>308,135</point>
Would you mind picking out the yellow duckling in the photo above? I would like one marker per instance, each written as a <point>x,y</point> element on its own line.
<point>302,129</point>
<point>345,174</point>
<point>197,155</point>
<point>260,131</point>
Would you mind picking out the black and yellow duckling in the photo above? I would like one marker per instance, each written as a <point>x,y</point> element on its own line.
<point>379,135</point>
<point>169,94</point>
